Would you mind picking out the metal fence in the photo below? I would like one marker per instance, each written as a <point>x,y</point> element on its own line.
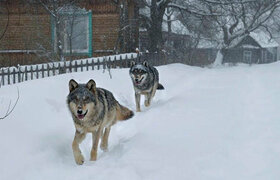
<point>12,75</point>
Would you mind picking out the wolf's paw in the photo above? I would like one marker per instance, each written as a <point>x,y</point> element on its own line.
<point>138,110</point>
<point>93,156</point>
<point>147,103</point>
<point>79,159</point>
<point>104,147</point>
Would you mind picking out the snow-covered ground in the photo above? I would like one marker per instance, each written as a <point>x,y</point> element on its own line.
<point>208,124</point>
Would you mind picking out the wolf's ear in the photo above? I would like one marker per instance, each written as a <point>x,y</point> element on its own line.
<point>91,85</point>
<point>132,63</point>
<point>72,85</point>
<point>145,63</point>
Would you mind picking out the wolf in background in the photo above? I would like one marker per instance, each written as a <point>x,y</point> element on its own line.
<point>94,110</point>
<point>145,80</point>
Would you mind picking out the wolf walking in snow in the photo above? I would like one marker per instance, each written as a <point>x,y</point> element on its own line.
<point>94,110</point>
<point>145,80</point>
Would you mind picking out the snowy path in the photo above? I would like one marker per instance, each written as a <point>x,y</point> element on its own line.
<point>208,124</point>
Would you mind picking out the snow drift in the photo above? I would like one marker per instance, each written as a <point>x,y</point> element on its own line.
<point>207,124</point>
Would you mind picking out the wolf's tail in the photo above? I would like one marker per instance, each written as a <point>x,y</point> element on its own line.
<point>160,86</point>
<point>123,113</point>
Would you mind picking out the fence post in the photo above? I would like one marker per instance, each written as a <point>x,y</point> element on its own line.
<point>87,65</point>
<point>59,68</point>
<point>104,62</point>
<point>82,66</point>
<point>31,70</point>
<point>9,76</point>
<point>109,63</point>
<point>98,63</point>
<point>76,66</point>
<point>121,62</point>
<point>48,70</point>
<point>43,70</point>
<point>14,76</point>
<point>92,64</point>
<point>19,78</point>
<point>115,62</point>
<point>3,77</point>
<point>37,71</point>
<point>126,61</point>
<point>22,75</point>
<point>53,69</point>
<point>26,73</point>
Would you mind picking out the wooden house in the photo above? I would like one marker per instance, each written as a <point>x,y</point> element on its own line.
<point>28,34</point>
<point>254,48</point>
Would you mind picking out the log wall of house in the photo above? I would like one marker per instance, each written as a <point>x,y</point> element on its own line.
<point>29,28</point>
<point>105,29</point>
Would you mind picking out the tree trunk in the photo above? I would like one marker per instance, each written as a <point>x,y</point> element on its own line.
<point>155,31</point>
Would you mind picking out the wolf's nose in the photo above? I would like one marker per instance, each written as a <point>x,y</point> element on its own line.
<point>80,111</point>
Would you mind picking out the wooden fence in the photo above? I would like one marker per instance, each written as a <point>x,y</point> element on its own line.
<point>19,74</point>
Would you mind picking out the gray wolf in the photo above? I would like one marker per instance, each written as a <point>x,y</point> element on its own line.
<point>145,80</point>
<point>94,110</point>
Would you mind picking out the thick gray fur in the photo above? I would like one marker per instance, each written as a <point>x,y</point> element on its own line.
<point>149,77</point>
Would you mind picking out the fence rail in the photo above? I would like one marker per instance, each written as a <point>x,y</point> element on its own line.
<point>13,75</point>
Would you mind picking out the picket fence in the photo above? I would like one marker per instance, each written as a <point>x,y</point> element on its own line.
<point>13,75</point>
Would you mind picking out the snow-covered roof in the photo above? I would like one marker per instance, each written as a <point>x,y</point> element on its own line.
<point>260,37</point>
<point>263,39</point>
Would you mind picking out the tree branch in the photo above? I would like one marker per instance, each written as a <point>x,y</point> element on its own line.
<point>9,111</point>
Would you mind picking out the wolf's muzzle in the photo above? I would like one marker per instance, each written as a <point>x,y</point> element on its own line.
<point>80,114</point>
<point>138,80</point>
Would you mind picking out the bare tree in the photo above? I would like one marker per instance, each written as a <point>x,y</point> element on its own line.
<point>127,31</point>
<point>10,109</point>
<point>152,19</point>
<point>232,19</point>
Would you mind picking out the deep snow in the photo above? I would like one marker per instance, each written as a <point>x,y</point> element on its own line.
<point>218,124</point>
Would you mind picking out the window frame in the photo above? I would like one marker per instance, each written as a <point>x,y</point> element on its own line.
<point>89,36</point>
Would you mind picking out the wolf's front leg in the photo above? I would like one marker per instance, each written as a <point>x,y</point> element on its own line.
<point>79,137</point>
<point>95,141</point>
<point>148,99</point>
<point>104,142</point>
<point>137,100</point>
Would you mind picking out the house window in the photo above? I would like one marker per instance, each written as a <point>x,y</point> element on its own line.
<point>247,56</point>
<point>75,31</point>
